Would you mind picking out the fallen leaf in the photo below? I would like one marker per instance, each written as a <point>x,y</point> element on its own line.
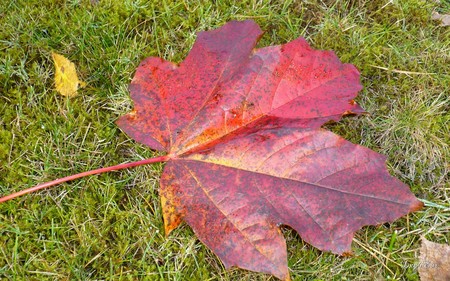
<point>66,79</point>
<point>434,261</point>
<point>445,19</point>
<point>241,127</point>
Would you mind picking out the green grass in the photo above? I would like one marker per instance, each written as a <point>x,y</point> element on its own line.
<point>109,227</point>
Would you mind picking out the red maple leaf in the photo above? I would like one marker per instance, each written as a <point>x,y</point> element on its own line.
<point>246,153</point>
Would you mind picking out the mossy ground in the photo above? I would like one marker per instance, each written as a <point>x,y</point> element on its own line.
<point>109,227</point>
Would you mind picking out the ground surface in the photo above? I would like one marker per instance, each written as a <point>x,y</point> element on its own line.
<point>109,227</point>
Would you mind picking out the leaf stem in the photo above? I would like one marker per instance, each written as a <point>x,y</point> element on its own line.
<point>84,174</point>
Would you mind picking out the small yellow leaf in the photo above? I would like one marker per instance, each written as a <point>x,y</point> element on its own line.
<point>66,79</point>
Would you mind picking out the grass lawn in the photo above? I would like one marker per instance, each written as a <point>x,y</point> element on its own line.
<point>109,227</point>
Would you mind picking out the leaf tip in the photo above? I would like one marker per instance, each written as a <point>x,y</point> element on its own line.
<point>416,206</point>
<point>171,215</point>
<point>356,109</point>
<point>132,114</point>
<point>347,254</point>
